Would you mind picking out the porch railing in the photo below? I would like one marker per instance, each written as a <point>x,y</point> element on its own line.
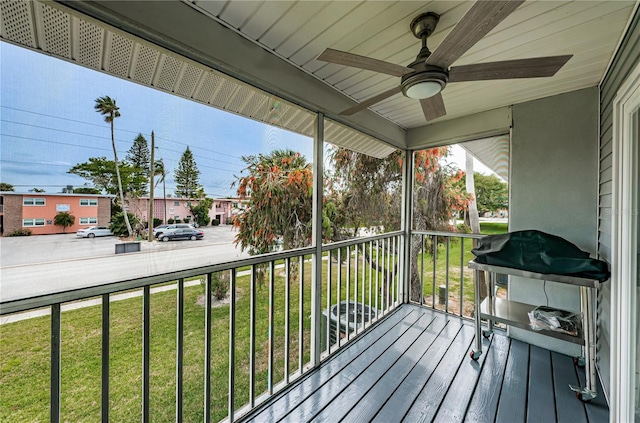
<point>441,279</point>
<point>268,325</point>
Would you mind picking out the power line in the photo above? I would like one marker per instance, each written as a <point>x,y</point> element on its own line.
<point>115,129</point>
<point>55,142</point>
<point>51,164</point>
<point>104,138</point>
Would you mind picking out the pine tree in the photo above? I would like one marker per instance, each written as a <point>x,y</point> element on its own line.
<point>139,156</point>
<point>186,177</point>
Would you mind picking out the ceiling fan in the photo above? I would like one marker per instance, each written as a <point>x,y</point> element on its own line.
<point>427,76</point>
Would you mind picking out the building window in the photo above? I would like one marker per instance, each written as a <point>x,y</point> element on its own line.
<point>188,203</point>
<point>235,205</point>
<point>176,203</point>
<point>32,222</point>
<point>33,202</point>
<point>88,220</point>
<point>88,202</point>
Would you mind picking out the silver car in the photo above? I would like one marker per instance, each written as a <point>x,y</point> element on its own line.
<point>171,229</point>
<point>94,231</point>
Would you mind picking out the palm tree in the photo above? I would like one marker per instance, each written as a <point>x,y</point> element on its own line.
<point>64,219</point>
<point>107,106</point>
<point>160,170</point>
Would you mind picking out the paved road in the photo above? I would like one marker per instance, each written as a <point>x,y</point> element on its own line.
<point>38,265</point>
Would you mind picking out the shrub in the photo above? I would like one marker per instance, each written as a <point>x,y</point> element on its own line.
<point>20,232</point>
<point>118,225</point>
<point>171,221</point>
<point>187,219</point>
<point>157,222</point>
<point>215,222</point>
<point>178,220</point>
<point>219,284</point>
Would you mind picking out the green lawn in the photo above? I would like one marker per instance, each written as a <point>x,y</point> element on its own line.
<point>25,355</point>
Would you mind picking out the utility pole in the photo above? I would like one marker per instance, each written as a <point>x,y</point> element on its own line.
<point>152,175</point>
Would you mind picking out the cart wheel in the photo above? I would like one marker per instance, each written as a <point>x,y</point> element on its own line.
<point>583,398</point>
<point>475,355</point>
<point>487,333</point>
<point>579,361</point>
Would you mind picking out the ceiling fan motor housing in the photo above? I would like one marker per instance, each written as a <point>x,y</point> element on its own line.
<point>423,74</point>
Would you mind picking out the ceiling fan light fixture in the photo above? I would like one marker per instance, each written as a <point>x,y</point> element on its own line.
<point>424,89</point>
<point>423,85</point>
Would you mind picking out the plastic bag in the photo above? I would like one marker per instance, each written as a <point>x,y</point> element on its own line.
<point>549,318</point>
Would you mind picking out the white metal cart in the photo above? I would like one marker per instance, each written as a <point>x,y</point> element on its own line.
<point>515,314</point>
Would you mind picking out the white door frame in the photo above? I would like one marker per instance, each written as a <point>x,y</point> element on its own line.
<point>624,313</point>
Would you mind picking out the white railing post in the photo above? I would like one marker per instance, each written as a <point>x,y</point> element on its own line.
<point>406,222</point>
<point>316,274</point>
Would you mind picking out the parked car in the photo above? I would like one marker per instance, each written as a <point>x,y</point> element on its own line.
<point>94,231</point>
<point>172,228</point>
<point>182,233</point>
<point>159,229</point>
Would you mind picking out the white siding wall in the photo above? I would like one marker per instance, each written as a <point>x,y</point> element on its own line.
<point>626,58</point>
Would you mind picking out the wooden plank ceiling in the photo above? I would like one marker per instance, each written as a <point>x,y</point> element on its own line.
<point>298,31</point>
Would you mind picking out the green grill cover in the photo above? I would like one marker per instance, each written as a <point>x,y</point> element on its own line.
<point>539,252</point>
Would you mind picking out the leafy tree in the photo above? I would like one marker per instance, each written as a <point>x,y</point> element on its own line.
<point>107,107</point>
<point>186,177</point>
<point>278,187</point>
<point>37,190</point>
<point>6,187</point>
<point>492,194</point>
<point>86,190</point>
<point>201,211</point>
<point>140,157</point>
<point>357,178</point>
<point>102,174</point>
<point>64,219</point>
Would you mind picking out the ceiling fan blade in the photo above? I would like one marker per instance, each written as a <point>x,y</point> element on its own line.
<point>481,18</point>
<point>349,59</point>
<point>371,100</point>
<point>509,69</point>
<point>433,107</point>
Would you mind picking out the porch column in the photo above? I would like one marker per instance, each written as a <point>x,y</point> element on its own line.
<point>316,240</point>
<point>405,224</point>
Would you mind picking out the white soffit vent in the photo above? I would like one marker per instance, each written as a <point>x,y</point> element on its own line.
<point>492,152</point>
<point>56,30</point>
<point>343,136</point>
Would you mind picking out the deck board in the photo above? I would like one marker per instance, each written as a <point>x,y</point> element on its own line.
<point>369,395</point>
<point>313,404</point>
<point>402,398</point>
<point>414,366</point>
<point>428,401</point>
<point>512,405</point>
<point>597,409</point>
<point>564,375</point>
<point>282,403</point>
<point>484,404</point>
<point>541,402</point>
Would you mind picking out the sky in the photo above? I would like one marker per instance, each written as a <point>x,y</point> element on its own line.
<point>48,125</point>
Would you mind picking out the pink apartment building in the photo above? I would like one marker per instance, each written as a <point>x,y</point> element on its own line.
<point>223,209</point>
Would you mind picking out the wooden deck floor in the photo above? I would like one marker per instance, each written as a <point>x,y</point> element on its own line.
<point>414,366</point>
